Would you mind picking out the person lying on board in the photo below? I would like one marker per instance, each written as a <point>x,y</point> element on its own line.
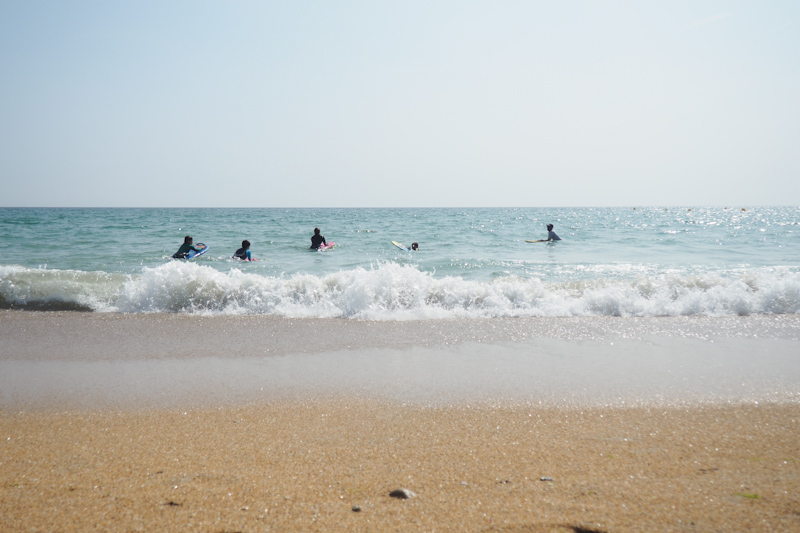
<point>185,248</point>
<point>243,253</point>
<point>317,240</point>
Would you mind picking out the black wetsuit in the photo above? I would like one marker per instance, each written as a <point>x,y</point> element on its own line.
<point>317,241</point>
<point>241,253</point>
<point>184,250</point>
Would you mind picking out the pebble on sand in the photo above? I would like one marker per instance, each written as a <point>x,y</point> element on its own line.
<point>403,494</point>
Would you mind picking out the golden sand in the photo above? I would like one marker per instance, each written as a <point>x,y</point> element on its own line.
<point>305,466</point>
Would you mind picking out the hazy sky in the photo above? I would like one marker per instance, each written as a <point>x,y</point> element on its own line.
<point>380,103</point>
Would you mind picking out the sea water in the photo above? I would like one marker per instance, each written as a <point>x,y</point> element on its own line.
<point>643,261</point>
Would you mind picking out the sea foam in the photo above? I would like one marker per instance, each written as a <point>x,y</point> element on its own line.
<point>391,291</point>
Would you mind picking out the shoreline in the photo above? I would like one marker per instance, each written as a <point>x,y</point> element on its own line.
<point>149,361</point>
<point>75,335</point>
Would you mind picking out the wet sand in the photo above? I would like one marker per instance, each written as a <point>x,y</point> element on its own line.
<point>489,459</point>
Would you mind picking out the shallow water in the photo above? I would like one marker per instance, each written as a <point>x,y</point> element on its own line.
<point>136,361</point>
<point>673,372</point>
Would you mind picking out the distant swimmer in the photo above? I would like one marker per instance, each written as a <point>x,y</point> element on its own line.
<point>551,235</point>
<point>414,246</point>
<point>243,253</point>
<point>317,240</point>
<point>185,248</point>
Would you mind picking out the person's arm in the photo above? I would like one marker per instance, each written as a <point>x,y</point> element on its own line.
<point>323,240</point>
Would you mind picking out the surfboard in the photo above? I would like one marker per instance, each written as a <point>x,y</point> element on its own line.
<point>327,246</point>
<point>401,246</point>
<point>192,254</point>
<point>540,240</point>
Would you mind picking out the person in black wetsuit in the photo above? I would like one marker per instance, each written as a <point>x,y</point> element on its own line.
<point>243,253</point>
<point>185,248</point>
<point>414,246</point>
<point>317,240</point>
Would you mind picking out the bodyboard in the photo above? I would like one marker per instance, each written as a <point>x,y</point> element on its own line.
<point>192,254</point>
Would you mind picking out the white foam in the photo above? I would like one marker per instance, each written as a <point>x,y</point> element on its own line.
<point>43,288</point>
<point>390,291</point>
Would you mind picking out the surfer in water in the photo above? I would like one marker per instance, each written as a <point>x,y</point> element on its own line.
<point>414,246</point>
<point>317,240</point>
<point>243,253</point>
<point>551,235</point>
<point>185,248</point>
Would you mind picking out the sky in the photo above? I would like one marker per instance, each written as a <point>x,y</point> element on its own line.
<point>399,103</point>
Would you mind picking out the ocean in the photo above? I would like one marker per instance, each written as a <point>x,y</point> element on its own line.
<point>472,262</point>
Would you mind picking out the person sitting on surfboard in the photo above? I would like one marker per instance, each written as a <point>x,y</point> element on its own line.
<point>317,240</point>
<point>243,253</point>
<point>414,246</point>
<point>185,248</point>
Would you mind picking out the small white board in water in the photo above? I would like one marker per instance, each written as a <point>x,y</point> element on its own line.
<point>401,246</point>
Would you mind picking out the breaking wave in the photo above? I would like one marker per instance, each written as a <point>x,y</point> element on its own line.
<point>395,292</point>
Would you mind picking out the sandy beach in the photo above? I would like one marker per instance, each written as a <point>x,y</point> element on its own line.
<point>480,450</point>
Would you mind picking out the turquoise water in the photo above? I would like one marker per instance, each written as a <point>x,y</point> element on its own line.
<point>472,262</point>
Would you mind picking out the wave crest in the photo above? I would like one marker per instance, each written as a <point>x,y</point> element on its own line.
<point>396,292</point>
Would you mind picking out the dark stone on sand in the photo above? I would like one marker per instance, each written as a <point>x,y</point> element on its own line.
<point>403,494</point>
<point>356,509</point>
